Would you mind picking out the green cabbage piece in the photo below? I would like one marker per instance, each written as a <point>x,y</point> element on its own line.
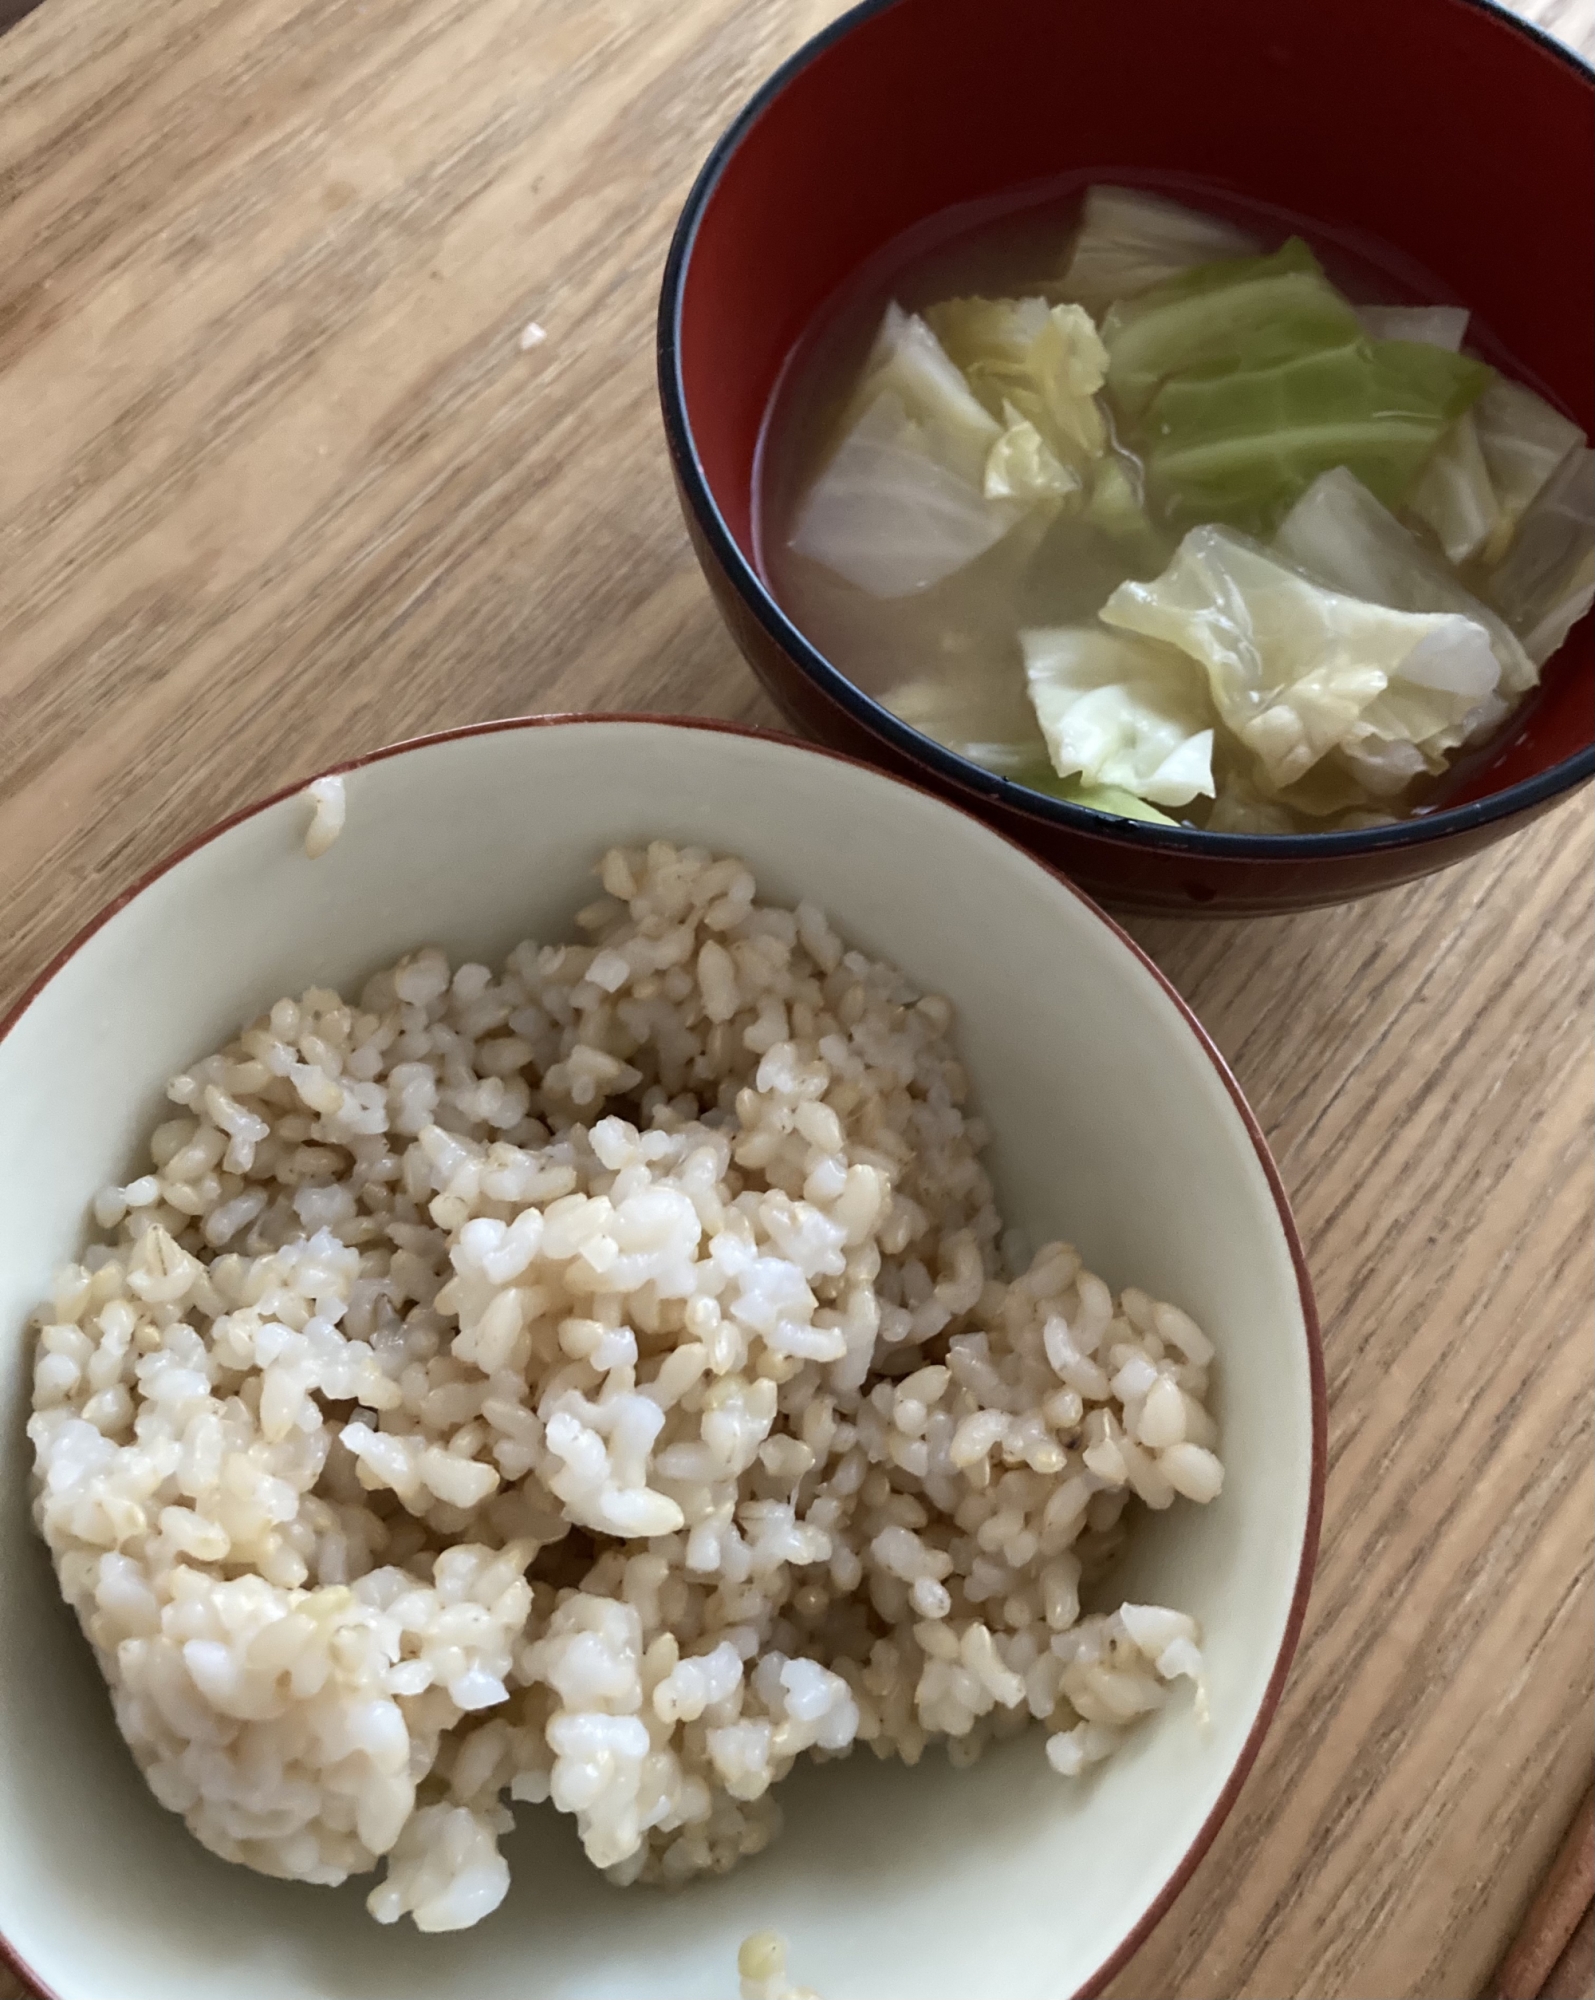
<point>1130,240</point>
<point>1523,441</point>
<point>1115,503</point>
<point>1546,581</point>
<point>1112,799</point>
<point>1297,671</point>
<point>1243,380</point>
<point>1042,363</point>
<point>1239,445</point>
<point>1340,535</point>
<point>901,503</point>
<point>1121,712</point>
<point>1238,313</point>
<point>1115,508</point>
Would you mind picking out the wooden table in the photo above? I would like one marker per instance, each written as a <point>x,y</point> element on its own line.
<point>278,483</point>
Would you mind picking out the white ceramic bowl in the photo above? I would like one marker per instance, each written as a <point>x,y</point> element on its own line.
<point>1117,1126</point>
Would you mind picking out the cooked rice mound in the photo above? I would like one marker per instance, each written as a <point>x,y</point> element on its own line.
<point>593,1382</point>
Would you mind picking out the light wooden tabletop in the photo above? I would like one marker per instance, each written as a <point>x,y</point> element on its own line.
<point>279,483</point>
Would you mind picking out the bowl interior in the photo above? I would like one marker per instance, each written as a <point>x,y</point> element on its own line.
<point>1115,1126</point>
<point>1438,129</point>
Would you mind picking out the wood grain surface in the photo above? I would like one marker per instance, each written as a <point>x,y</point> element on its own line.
<point>278,483</point>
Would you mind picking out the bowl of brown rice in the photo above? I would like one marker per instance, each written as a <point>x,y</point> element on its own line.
<point>629,1346</point>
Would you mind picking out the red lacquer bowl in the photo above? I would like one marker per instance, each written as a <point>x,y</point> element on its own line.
<point>1446,129</point>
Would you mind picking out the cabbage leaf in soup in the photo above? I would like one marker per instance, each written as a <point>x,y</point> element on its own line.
<point>1130,240</point>
<point>1031,362</point>
<point>1120,711</point>
<point>1240,313</point>
<point>888,512</point>
<point>1240,381</point>
<point>1454,495</point>
<point>909,362</point>
<point>1238,445</point>
<point>1523,442</point>
<point>1438,326</point>
<point>1340,535</point>
<point>1022,466</point>
<point>1546,581</point>
<point>1116,508</point>
<point>981,712</point>
<point>901,503</point>
<point>1297,671</point>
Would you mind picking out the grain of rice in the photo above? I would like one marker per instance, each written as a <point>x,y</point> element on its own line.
<point>761,1964</point>
<point>326,822</point>
<point>597,1383</point>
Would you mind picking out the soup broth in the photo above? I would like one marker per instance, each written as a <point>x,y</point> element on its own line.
<point>944,650</point>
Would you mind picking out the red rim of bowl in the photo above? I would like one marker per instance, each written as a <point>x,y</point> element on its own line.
<point>750,587</point>
<point>1162,1901</point>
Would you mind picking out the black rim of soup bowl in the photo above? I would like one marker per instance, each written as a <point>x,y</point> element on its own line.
<point>915,744</point>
